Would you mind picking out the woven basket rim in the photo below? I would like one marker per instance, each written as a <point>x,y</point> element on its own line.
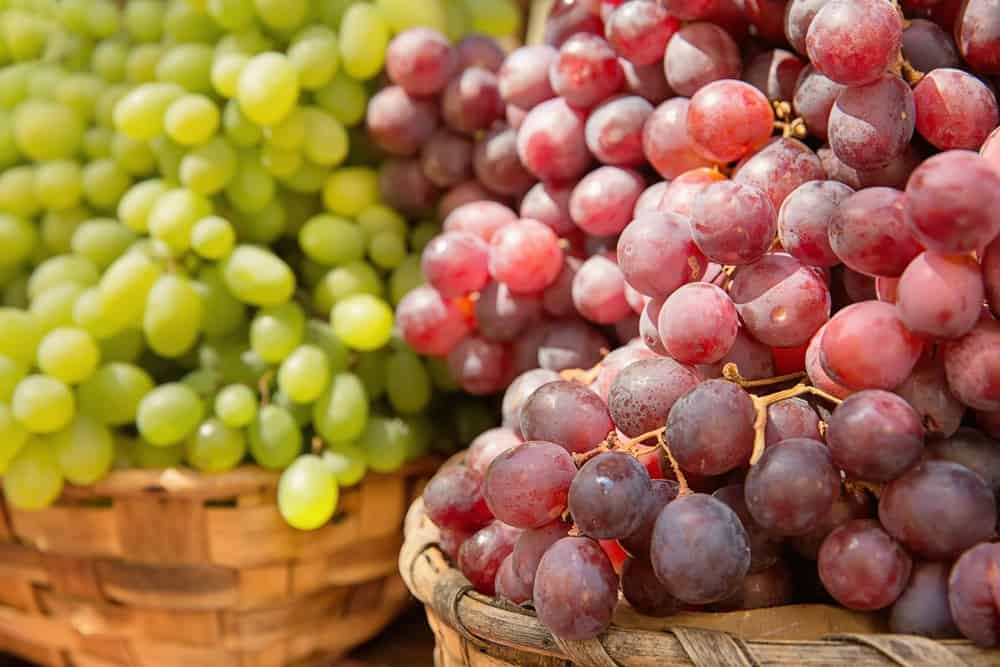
<point>483,621</point>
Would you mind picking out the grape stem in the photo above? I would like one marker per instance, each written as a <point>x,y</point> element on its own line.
<point>790,125</point>
<point>682,484</point>
<point>580,375</point>
<point>264,387</point>
<point>761,403</point>
<point>732,373</point>
<point>874,488</point>
<point>316,445</point>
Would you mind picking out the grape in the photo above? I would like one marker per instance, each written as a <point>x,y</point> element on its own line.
<point>33,479</point>
<point>68,354</point>
<point>874,435</point>
<point>804,221</point>
<point>585,71</point>
<point>868,233</point>
<point>503,315</point>
<point>614,130</point>
<point>568,17</point>
<point>43,404</point>
<point>256,276</point>
<point>479,51</point>
<point>479,365</point>
<point>446,158</point>
<point>399,123</point>
<point>640,31</point>
<point>575,589</point>
<point>276,331</point>
<point>525,255</point>
<point>497,165</point>
<point>862,567</point>
<point>307,493</point>
<point>45,130</point>
<point>871,125</point>
<point>927,392</point>
<point>173,316</point>
<point>699,549</point>
<point>791,418</point>
<point>20,335</point>
<point>644,392</point>
<point>798,17</point>
<point>523,78</point>
<point>814,98</point>
<point>471,102</point>
<point>362,321</point>
<point>972,596</point>
<point>654,243</point>
<point>488,445</point>
<point>480,556</point>
<point>84,450</point>
<point>598,291</point>
<point>236,405</point>
<point>482,218</point>
<point>112,394</point>
<point>421,61</point>
<point>977,34</point>
<point>665,140</point>
<point>341,411</point>
<point>168,414</point>
<point>454,500</point>
<point>644,591</point>
<point>215,447</point>
<point>853,41</point>
<point>940,296</point>
<point>455,263</point>
<point>947,199</point>
<point>429,323</point>
<point>509,586</point>
<point>548,204</point>
<point>700,440</point>
<point>528,486</point>
<point>714,209</point>
<point>698,54</point>
<point>728,119</point>
<point>102,241</point>
<point>565,413</point>
<point>601,203</point>
<point>774,73</point>
<point>962,512</point>
<point>649,200</point>
<point>607,496</point>
<point>971,365</point>
<point>752,358</point>
<point>614,363</point>
<point>991,275</point>
<point>60,270</point>
<point>531,545</point>
<point>954,109</point>
<point>698,323</point>
<point>765,549</point>
<point>922,608</point>
<point>779,168</point>
<point>551,142</point>
<point>848,357</point>
<point>926,46</point>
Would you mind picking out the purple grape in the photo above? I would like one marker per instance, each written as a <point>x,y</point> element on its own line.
<point>608,494</point>
<point>576,589</point>
<point>643,394</point>
<point>566,413</point>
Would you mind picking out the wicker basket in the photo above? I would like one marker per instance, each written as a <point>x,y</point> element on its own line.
<point>171,568</point>
<point>475,631</point>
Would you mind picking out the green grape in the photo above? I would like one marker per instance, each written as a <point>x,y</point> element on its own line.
<point>103,19</point>
<point>332,241</point>
<point>422,234</point>
<point>174,215</point>
<point>307,493</point>
<point>345,98</point>
<point>12,434</point>
<point>265,226</point>
<point>191,120</point>
<point>17,192</point>
<point>330,12</point>
<point>362,321</point>
<point>173,316</point>
<point>68,354</point>
<point>314,55</point>
<point>350,279</point>
<point>258,277</point>
<point>11,372</point>
<point>58,184</point>
<point>378,218</point>
<point>43,404</point>
<point>33,480</point>
<point>14,84</point>
<point>104,109</point>
<point>279,162</point>
<point>289,133</point>
<point>104,183</point>
<point>236,405</point>
<point>54,307</point>
<point>84,450</point>
<point>327,142</point>
<point>144,20</point>
<point>8,146</point>
<point>168,157</point>
<point>184,23</point>
<point>135,157</point>
<point>408,384</point>
<point>441,375</point>
<point>228,314</point>
<point>215,447</point>
<point>383,443</point>
<point>268,88</point>
<point>298,208</point>
<point>282,15</point>
<point>233,15</point>
<point>60,270</point>
<point>405,14</point>
<point>90,314</point>
<point>226,69</point>
<point>370,367</point>
<point>113,393</point>
<point>23,34</point>
<point>364,36</point>
<point>213,237</point>
<point>142,61</point>
<point>168,414</point>
<point>275,438</point>
<point>139,114</point>
<point>251,188</point>
<point>304,374</point>
<point>205,382</point>
<point>20,333</point>
<point>102,241</point>
<point>124,346</point>
<point>189,66</point>
<point>387,250</point>
<point>108,60</point>
<point>249,42</point>
<point>45,80</point>
<point>97,142</point>
<point>238,128</point>
<point>80,93</point>
<point>347,463</point>
<point>126,284</point>
<point>405,278</point>
<point>276,331</point>
<point>418,435</point>
<point>300,412</point>
<point>58,227</point>
<point>18,239</point>
<point>308,178</point>
<point>138,201</point>
<point>145,455</point>
<point>209,168</point>
<point>320,334</point>
<point>341,412</point>
<point>351,190</point>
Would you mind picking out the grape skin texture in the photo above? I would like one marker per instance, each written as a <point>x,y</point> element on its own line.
<point>644,591</point>
<point>643,394</point>
<point>940,296</point>
<point>524,76</point>
<point>480,556</point>
<point>637,543</point>
<point>531,545</point>
<point>528,486</point>
<point>429,323</point>
<point>862,567</point>
<point>868,233</point>
<point>710,428</point>
<point>551,142</point>
<point>872,124</point>
<point>938,509</point>
<point>788,309</point>
<point>698,324</point>
<point>640,31</point>
<point>599,291</point>
<point>454,500</point>
<point>728,119</point>
<point>586,71</point>
<point>665,140</point>
<point>854,41</point>
<point>699,549</point>
<point>479,365</point>
<point>607,496</point>
<point>972,594</point>
<point>977,33</point>
<point>658,255</point>
<point>972,365</point>
<point>601,203</point>
<point>698,54</point>
<point>814,98</point>
<point>508,585</point>
<point>614,130</point>
<point>874,435</point>
<point>779,168</point>
<point>791,418</point>
<point>954,109</point>
<point>575,589</point>
<point>922,608</point>
<point>804,221</point>
<point>566,413</point>
<point>523,386</point>
<point>525,255</point>
<point>711,222</point>
<point>848,357</point>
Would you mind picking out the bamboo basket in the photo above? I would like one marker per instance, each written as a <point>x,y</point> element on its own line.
<point>472,630</point>
<point>171,568</point>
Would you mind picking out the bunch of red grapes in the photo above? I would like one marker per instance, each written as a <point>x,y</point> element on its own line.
<point>788,213</point>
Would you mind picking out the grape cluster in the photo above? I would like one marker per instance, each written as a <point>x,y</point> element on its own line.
<point>803,267</point>
<point>199,256</point>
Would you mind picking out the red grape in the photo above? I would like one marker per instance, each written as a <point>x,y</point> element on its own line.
<point>814,368</point>
<point>752,358</point>
<point>666,142</point>
<point>644,591</point>
<point>639,31</point>
<point>482,218</point>
<point>854,41</point>
<point>710,428</point>
<point>926,46</point>
<point>503,315</point>
<point>954,109</point>
<point>637,543</point>
<point>814,98</point>
<point>804,221</point>
<point>973,596</point>
<point>940,296</point>
<point>991,275</point>
<point>779,168</point>
<point>479,365</point>
<point>774,73</point>
<point>601,203</point>
<point>608,495</point>
<point>649,200</point>
<point>466,192</point>
<point>874,435</point>
<point>509,586</point>
<point>698,323</point>
<point>585,71</point>
<point>791,418</point>
<point>557,299</point>
<point>647,81</point>
<point>599,291</point>
<point>614,130</point>
<point>570,344</point>
<point>446,158</point>
<point>524,76</point>
<point>972,364</point>
<point>405,187</point>
<point>429,323</point>
<point>566,413</point>
<point>689,10</point>
<point>455,263</point>
<point>643,393</point>
<point>421,61</point>
<point>868,233</point>
<point>497,165</point>
<point>862,567</point>
<point>551,142</point>
<point>525,255</point>
<point>682,192</point>
<point>531,545</point>
<point>697,55</point>
<point>453,499</point>
<point>712,216</point>
<point>487,446</point>
<point>872,124</point>
<point>972,449</point>
<point>728,119</point>
<point>649,327</point>
<point>479,51</point>
<point>788,311</point>
<point>772,587</point>
<point>549,204</point>
<point>977,33</point>
<point>528,486</point>
<point>798,16</point>
<point>927,392</point>
<point>849,505</point>
<point>480,556</point>
<point>523,386</point>
<point>576,589</point>
<point>658,255</point>
<point>398,123</point>
<point>471,101</point>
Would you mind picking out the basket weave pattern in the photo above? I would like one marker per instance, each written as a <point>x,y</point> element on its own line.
<point>475,631</point>
<point>176,569</point>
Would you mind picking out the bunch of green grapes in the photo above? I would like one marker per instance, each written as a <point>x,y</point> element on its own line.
<point>197,265</point>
